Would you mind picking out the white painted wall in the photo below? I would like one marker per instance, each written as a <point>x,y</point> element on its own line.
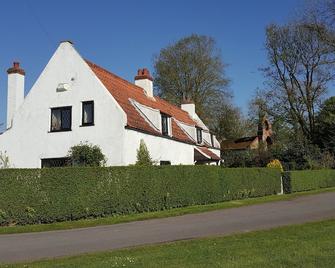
<point>15,95</point>
<point>29,140</point>
<point>160,149</point>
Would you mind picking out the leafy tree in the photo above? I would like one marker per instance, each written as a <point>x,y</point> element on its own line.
<point>326,126</point>
<point>231,124</point>
<point>143,156</point>
<point>192,69</point>
<point>85,154</point>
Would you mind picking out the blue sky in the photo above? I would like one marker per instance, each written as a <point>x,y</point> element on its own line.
<point>124,35</point>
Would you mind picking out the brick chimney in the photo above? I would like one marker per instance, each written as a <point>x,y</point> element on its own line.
<point>15,89</point>
<point>144,80</point>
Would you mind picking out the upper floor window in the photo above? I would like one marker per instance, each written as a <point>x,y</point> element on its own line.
<point>165,124</point>
<point>212,140</point>
<point>61,118</point>
<point>199,135</point>
<point>88,113</point>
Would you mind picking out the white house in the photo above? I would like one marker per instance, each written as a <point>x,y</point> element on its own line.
<point>74,101</point>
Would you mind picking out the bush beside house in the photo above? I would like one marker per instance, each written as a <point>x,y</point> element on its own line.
<point>87,155</point>
<point>143,157</point>
<point>4,160</point>
<point>59,194</point>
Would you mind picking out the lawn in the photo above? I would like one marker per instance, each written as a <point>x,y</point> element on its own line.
<point>152,215</point>
<point>308,245</point>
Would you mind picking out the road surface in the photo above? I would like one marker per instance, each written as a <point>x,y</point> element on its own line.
<point>34,246</point>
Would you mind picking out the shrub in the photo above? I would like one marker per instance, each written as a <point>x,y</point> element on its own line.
<point>143,156</point>
<point>87,155</point>
<point>327,160</point>
<point>4,160</point>
<point>305,180</point>
<point>302,155</point>
<point>246,158</point>
<point>233,159</point>
<point>275,163</point>
<point>57,194</point>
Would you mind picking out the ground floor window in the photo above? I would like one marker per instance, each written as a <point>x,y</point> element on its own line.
<point>55,162</point>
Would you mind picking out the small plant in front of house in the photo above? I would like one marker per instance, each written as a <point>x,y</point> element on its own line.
<point>4,160</point>
<point>85,154</point>
<point>143,156</point>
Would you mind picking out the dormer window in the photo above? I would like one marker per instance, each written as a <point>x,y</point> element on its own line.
<point>199,135</point>
<point>165,124</point>
<point>212,140</point>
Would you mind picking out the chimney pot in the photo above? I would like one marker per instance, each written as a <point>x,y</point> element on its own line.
<point>16,69</point>
<point>144,80</point>
<point>143,74</point>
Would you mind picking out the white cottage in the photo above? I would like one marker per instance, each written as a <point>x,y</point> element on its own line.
<point>75,100</point>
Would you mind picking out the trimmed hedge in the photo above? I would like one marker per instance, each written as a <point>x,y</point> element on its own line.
<point>30,196</point>
<point>304,180</point>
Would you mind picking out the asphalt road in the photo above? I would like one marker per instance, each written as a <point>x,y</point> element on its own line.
<point>34,246</point>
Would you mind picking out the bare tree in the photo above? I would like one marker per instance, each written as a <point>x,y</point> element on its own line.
<point>300,69</point>
<point>319,16</point>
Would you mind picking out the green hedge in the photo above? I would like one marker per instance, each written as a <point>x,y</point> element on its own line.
<point>304,180</point>
<point>59,194</point>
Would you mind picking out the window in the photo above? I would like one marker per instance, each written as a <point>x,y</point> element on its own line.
<point>61,119</point>
<point>165,163</point>
<point>212,140</point>
<point>165,124</point>
<point>88,113</point>
<point>56,162</point>
<point>199,135</point>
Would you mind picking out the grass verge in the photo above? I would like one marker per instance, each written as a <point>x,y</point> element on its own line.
<point>307,245</point>
<point>152,215</point>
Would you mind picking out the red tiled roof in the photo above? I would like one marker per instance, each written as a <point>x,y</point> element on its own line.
<point>122,91</point>
<point>209,153</point>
